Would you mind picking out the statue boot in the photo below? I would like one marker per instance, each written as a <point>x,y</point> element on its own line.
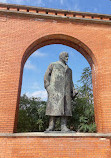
<point>64,125</point>
<point>51,124</point>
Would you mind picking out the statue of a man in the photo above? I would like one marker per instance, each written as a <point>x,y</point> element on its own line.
<point>60,88</point>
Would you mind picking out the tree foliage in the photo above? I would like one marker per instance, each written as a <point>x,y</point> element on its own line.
<point>83,105</point>
<point>32,115</point>
<point>32,110</point>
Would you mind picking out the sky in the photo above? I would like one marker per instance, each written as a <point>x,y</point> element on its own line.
<point>37,63</point>
<point>96,6</point>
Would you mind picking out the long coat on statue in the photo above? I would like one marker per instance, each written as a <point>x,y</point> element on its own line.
<point>60,88</point>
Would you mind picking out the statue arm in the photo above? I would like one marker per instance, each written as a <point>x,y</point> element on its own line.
<point>74,92</point>
<point>47,76</point>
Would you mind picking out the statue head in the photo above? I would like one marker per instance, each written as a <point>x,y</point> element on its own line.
<point>64,57</point>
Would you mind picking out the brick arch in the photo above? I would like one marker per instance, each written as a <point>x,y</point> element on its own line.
<point>67,40</point>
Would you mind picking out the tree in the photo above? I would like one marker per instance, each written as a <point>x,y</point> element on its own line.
<point>83,105</point>
<point>32,115</point>
<point>32,110</point>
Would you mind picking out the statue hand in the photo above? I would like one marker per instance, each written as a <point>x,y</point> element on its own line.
<point>75,92</point>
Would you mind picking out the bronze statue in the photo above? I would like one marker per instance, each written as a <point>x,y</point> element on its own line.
<point>60,88</point>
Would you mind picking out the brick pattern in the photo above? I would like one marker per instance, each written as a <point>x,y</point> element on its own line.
<point>21,36</point>
<point>50,147</point>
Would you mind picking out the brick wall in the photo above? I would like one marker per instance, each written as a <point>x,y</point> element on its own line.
<point>54,146</point>
<point>21,35</point>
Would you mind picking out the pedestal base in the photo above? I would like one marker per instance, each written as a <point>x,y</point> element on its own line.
<point>55,145</point>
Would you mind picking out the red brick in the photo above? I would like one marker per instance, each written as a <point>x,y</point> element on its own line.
<point>22,35</point>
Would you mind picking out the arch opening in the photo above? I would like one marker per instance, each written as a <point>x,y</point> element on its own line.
<point>58,39</point>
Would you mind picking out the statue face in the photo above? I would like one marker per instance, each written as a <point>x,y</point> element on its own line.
<point>65,58</point>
